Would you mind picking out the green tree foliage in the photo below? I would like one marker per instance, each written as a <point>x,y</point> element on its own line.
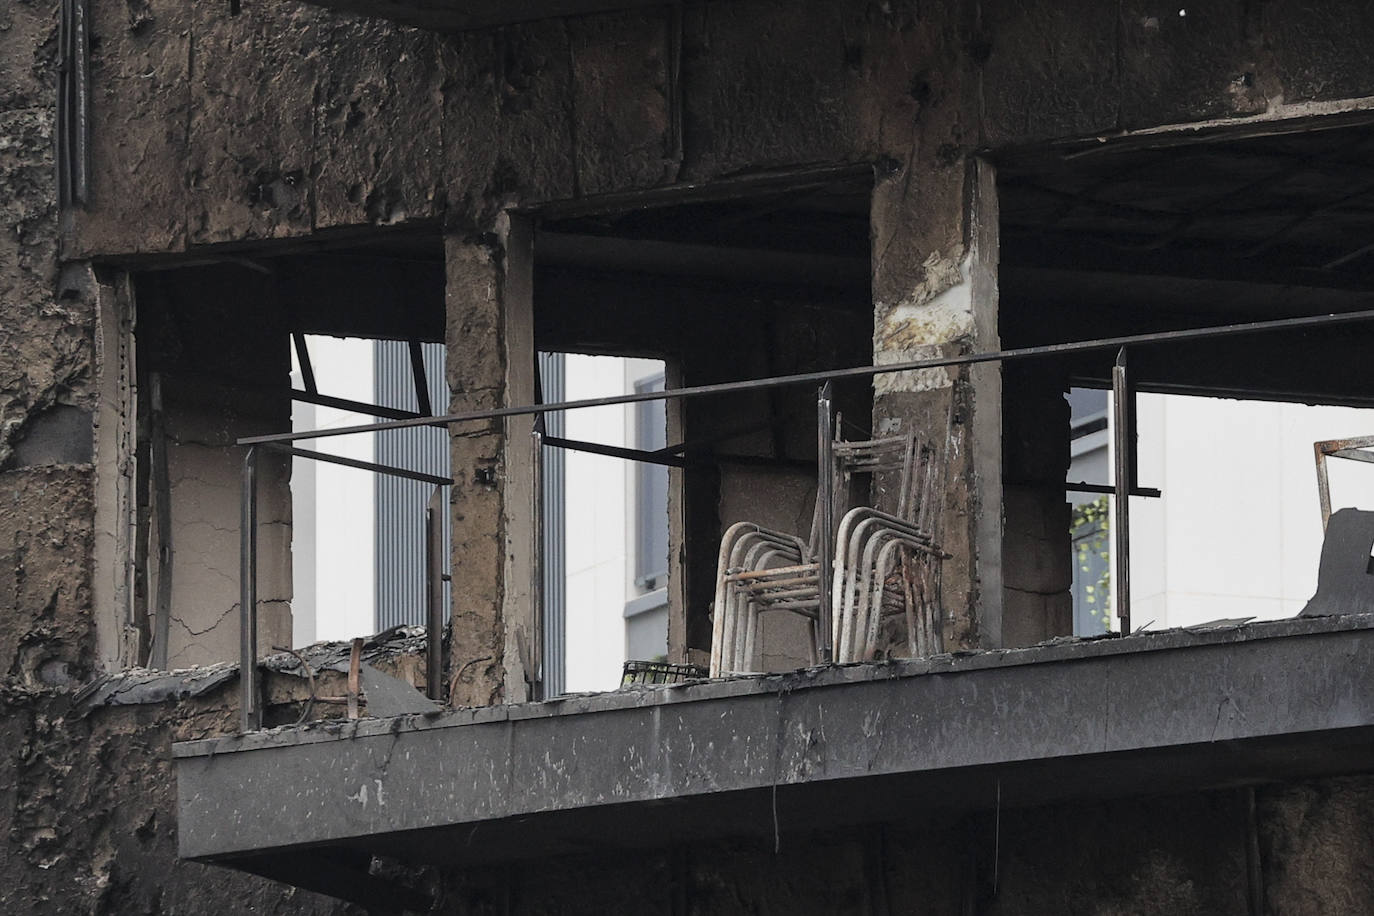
<point>1091,531</point>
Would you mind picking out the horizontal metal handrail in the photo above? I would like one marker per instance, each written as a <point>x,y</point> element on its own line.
<point>250,710</point>
<point>812,378</point>
<point>1123,487</point>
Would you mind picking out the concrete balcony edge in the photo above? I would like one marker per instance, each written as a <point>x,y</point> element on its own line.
<point>1232,701</point>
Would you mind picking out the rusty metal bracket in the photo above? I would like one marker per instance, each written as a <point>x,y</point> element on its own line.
<point>250,704</point>
<point>309,679</point>
<point>355,659</point>
<point>1352,449</point>
<point>434,596</point>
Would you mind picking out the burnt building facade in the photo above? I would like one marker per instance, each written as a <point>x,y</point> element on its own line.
<point>744,189</point>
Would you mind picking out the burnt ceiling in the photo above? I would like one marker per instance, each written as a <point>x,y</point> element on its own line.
<point>815,236</point>
<point>1099,242</point>
<point>1253,227</point>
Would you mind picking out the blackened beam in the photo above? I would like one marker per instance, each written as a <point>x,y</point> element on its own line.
<point>307,369</point>
<point>731,432</point>
<point>250,703</point>
<point>614,451</point>
<point>1291,166</point>
<point>375,410</point>
<point>360,465</point>
<point>1027,247</point>
<point>417,371</point>
<point>814,378</point>
<point>1273,239</point>
<point>1080,487</point>
<point>670,460</point>
<point>727,189</point>
<point>1354,454</point>
<point>73,103</point>
<point>654,256</point>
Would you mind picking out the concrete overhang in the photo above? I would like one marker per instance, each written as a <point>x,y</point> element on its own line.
<point>1153,713</point>
<point>465,15</point>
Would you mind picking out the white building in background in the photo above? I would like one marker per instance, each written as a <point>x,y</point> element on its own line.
<point>616,524</point>
<point>1237,531</point>
<point>333,537</point>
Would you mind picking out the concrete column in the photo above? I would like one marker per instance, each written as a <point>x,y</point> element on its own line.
<point>112,585</point>
<point>522,646</point>
<point>935,293</point>
<point>489,320</point>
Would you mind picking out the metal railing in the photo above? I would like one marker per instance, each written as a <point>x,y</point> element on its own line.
<point>1356,449</point>
<point>251,712</point>
<point>1122,487</point>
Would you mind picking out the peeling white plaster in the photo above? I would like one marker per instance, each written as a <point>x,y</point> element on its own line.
<point>937,312</point>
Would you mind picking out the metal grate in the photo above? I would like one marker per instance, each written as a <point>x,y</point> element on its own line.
<point>636,672</point>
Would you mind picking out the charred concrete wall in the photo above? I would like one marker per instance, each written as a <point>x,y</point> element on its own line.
<point>213,364</point>
<point>287,120</point>
<point>1300,850</point>
<point>47,636</point>
<point>46,398</point>
<point>90,812</point>
<point>90,829</point>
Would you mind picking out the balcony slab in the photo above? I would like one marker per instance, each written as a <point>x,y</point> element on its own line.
<point>1154,713</point>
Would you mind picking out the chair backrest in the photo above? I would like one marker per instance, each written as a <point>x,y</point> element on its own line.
<point>917,465</point>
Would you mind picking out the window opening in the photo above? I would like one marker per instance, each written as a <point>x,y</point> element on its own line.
<point>651,488</point>
<point>1090,532</point>
<point>257,346</point>
<point>615,524</point>
<point>400,548</point>
<point>334,509</point>
<point>1115,241</point>
<point>702,292</point>
<point>646,608</point>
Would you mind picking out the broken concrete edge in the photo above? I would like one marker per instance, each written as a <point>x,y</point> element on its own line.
<point>138,686</point>
<point>1062,649</point>
<point>1281,118</point>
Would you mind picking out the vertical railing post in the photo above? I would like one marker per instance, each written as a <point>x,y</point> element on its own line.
<point>249,705</point>
<point>537,567</point>
<point>434,596</point>
<point>1123,440</point>
<point>1323,483</point>
<point>825,504</point>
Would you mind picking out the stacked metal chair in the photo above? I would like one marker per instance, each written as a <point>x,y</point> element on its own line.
<point>881,562</point>
<point>885,562</point>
